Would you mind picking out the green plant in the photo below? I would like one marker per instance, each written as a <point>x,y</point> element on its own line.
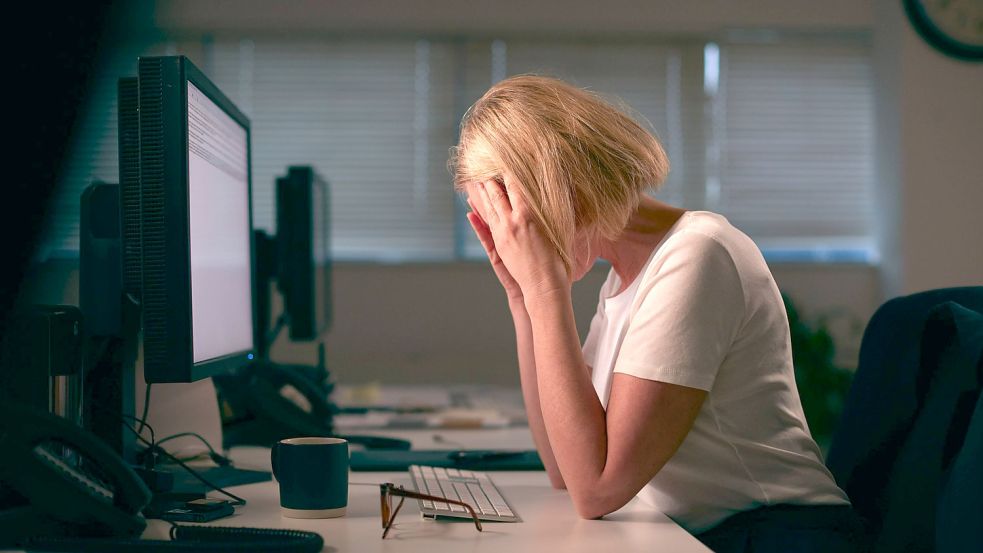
<point>822,384</point>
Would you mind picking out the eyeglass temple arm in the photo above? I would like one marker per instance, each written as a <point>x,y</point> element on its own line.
<point>392,518</point>
<point>434,498</point>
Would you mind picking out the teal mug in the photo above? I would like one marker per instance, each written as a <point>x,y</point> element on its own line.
<point>313,476</point>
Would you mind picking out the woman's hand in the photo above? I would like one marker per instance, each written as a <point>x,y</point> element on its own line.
<point>526,254</point>
<point>481,230</point>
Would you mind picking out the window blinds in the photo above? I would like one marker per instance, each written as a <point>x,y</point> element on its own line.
<point>369,117</point>
<point>795,131</point>
<point>782,145</point>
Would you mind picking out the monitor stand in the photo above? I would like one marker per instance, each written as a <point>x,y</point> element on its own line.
<point>222,477</point>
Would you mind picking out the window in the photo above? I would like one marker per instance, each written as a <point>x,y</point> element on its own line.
<point>792,145</point>
<point>775,134</point>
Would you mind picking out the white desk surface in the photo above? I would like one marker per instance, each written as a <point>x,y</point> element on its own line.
<point>549,519</point>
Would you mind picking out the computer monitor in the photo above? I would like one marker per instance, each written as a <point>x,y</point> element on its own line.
<point>193,225</point>
<point>303,247</point>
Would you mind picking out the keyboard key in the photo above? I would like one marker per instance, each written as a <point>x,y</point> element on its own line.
<point>495,498</point>
<point>438,506</point>
<point>481,502</point>
<point>432,487</point>
<point>504,511</point>
<point>448,491</point>
<point>474,488</point>
<point>463,493</point>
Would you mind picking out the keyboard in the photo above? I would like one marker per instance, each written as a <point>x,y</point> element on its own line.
<point>472,487</point>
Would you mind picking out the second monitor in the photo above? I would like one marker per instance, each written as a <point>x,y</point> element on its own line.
<point>303,250</point>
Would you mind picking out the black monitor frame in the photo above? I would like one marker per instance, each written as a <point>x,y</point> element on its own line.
<point>299,271</point>
<point>165,213</point>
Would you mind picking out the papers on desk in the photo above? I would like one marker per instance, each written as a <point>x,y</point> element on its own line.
<point>444,419</point>
<point>428,407</point>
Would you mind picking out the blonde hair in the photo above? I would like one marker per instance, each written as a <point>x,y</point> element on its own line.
<point>579,163</point>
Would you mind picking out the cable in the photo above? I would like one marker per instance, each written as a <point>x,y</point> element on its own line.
<point>134,419</point>
<point>154,448</point>
<point>271,336</point>
<point>215,456</point>
<point>237,501</point>
<point>146,408</point>
<point>210,539</point>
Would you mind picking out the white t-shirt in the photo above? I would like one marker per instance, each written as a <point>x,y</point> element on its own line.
<point>706,313</point>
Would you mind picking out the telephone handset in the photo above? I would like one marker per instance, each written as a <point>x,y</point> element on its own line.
<point>286,403</point>
<point>93,502</point>
<point>99,495</point>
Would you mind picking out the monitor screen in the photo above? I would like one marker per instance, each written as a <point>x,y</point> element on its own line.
<point>219,229</point>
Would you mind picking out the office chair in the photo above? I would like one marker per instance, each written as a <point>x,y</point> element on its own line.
<point>917,383</point>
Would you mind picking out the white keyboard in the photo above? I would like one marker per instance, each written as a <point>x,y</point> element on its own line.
<point>472,487</point>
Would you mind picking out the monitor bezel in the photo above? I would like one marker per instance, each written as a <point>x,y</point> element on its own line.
<point>177,363</point>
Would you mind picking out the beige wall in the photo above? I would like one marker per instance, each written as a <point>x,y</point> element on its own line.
<point>930,167</point>
<point>459,17</point>
<point>450,322</point>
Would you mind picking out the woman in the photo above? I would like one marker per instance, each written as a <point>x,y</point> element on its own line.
<point>683,393</point>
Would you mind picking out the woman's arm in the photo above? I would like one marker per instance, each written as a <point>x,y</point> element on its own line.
<point>530,390</point>
<point>523,340</point>
<point>605,457</point>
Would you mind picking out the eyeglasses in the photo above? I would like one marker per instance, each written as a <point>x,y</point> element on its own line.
<point>388,491</point>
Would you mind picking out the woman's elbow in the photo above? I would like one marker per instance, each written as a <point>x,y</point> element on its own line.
<point>592,506</point>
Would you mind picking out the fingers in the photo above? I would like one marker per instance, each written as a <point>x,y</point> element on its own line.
<point>515,199</point>
<point>494,194</point>
<point>476,211</point>
<point>478,200</point>
<point>482,232</point>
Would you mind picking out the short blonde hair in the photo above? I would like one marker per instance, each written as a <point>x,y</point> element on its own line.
<point>579,163</point>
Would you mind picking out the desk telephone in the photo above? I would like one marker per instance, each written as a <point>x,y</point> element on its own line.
<point>62,489</point>
<point>268,402</point>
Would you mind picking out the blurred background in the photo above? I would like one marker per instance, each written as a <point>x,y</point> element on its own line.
<point>831,132</point>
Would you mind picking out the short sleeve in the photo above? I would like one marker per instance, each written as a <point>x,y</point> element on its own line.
<point>686,314</point>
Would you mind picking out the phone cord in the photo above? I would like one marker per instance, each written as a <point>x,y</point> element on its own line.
<point>192,538</point>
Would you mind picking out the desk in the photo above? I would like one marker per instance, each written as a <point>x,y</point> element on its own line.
<point>550,521</point>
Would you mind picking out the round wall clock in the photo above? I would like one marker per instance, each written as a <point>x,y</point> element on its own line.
<point>955,27</point>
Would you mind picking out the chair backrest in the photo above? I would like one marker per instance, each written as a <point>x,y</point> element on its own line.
<point>887,396</point>
<point>961,496</point>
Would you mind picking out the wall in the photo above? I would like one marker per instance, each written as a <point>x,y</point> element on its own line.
<point>448,322</point>
<point>508,16</point>
<point>930,127</point>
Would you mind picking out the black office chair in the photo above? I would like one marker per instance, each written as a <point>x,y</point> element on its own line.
<point>907,413</point>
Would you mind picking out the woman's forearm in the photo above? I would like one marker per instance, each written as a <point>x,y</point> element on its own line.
<point>573,415</point>
<point>530,390</point>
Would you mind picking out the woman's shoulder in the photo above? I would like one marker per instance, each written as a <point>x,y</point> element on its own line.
<point>706,230</point>
<point>692,224</point>
<point>704,239</point>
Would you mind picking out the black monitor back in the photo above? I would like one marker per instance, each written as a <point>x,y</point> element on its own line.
<point>303,246</point>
